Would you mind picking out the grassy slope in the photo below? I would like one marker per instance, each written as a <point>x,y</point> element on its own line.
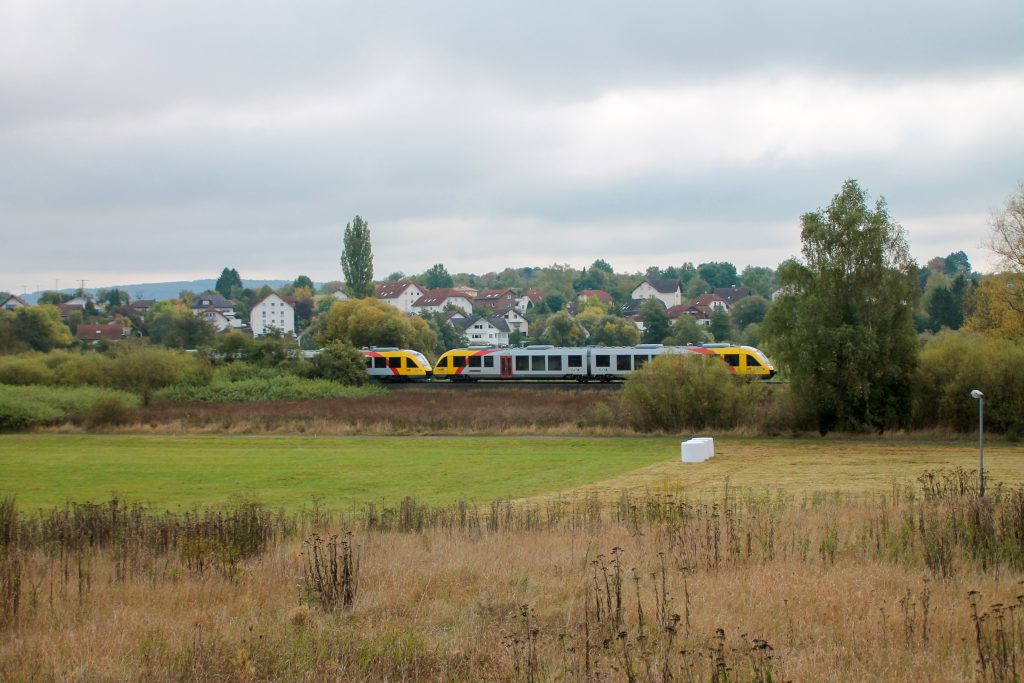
<point>50,469</point>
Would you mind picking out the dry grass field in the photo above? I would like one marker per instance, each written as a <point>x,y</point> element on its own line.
<point>918,583</point>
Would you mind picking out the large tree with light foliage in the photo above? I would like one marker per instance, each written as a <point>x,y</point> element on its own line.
<point>843,326</point>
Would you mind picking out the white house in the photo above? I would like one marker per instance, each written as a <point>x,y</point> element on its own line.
<point>340,294</point>
<point>402,294</point>
<point>440,299</point>
<point>12,303</point>
<point>529,299</point>
<point>669,292</point>
<point>712,301</point>
<point>273,312</point>
<point>208,299</point>
<point>219,321</point>
<point>515,321</point>
<point>481,330</point>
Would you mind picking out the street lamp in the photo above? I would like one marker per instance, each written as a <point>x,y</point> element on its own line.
<point>981,436</point>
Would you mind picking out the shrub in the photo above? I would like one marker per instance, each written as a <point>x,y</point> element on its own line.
<point>23,407</point>
<point>144,369</point>
<point>689,391</point>
<point>340,363</point>
<point>951,365</point>
<point>108,410</point>
<point>25,369</point>
<point>83,369</point>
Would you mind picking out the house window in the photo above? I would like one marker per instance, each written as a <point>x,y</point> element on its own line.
<point>554,363</point>
<point>522,363</point>
<point>537,363</point>
<point>602,361</point>
<point>622,363</point>
<point>575,361</point>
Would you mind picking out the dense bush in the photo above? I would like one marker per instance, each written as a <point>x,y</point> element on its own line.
<point>29,368</point>
<point>340,363</point>
<point>689,391</point>
<point>951,365</point>
<point>22,407</point>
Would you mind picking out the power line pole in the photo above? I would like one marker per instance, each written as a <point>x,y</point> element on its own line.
<point>81,288</point>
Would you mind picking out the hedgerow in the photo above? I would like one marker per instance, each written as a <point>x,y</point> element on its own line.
<point>262,388</point>
<point>24,407</point>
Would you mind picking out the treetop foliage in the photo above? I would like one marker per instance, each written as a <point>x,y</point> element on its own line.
<point>357,259</point>
<point>369,322</point>
<point>844,326</point>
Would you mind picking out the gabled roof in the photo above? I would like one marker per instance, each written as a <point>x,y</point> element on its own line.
<point>466,323</point>
<point>15,298</point>
<point>534,295</point>
<point>674,312</point>
<point>393,290</point>
<point>143,304</point>
<point>109,332</point>
<point>706,300</point>
<point>209,298</point>
<point>663,286</point>
<point>697,311</point>
<point>601,295</point>
<point>439,296</point>
<point>731,295</point>
<point>495,294</point>
<point>290,300</point>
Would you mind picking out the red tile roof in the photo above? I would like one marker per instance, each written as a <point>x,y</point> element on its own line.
<point>110,332</point>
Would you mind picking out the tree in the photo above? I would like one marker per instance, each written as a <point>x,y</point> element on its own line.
<point>843,327</point>
<point>686,330</point>
<point>229,279</point>
<point>1006,237</point>
<point>357,259</point>
<point>656,324</point>
<point>303,281</point>
<point>562,330</point>
<point>173,324</point>
<point>718,273</point>
<point>613,330</point>
<point>554,302</point>
<point>40,328</point>
<point>944,309</point>
<point>448,336</point>
<point>437,276</point>
<point>764,281</point>
<point>997,307</point>
<point>750,309</point>
<point>341,363</point>
<point>721,325</point>
<point>113,298</point>
<point>369,322</point>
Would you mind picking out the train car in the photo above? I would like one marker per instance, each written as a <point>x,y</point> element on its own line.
<point>391,364</point>
<point>742,360</point>
<point>471,363</point>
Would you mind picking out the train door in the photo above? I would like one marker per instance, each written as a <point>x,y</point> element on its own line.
<point>506,367</point>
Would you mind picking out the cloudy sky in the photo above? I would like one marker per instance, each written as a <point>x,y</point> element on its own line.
<point>149,141</point>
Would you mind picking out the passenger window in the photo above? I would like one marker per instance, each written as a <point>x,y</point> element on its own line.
<point>474,361</point>
<point>410,363</point>
<point>732,359</point>
<point>622,363</point>
<point>554,362</point>
<point>369,362</point>
<point>380,362</point>
<point>537,363</point>
<point>602,361</point>
<point>459,361</point>
<point>752,362</point>
<point>575,361</point>
<point>522,363</point>
<point>488,361</point>
<point>394,362</point>
<point>638,361</point>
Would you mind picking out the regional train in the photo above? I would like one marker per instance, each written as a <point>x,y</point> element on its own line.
<point>545,362</point>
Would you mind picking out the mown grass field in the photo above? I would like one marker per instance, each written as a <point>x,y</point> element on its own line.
<point>49,469</point>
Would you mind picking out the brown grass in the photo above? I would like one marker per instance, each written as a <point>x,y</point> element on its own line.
<point>741,589</point>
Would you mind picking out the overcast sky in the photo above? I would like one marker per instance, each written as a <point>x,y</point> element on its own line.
<point>151,141</point>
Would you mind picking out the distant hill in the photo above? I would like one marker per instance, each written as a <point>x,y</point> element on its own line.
<point>166,290</point>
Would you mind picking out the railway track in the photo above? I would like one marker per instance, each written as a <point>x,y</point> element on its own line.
<point>545,385</point>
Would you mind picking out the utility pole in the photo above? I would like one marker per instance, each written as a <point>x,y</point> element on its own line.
<point>81,288</point>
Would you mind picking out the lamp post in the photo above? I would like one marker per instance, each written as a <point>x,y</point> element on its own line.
<point>981,436</point>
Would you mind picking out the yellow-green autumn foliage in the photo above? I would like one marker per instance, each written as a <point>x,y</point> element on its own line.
<point>369,322</point>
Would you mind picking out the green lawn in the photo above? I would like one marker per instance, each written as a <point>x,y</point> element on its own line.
<point>50,469</point>
<point>45,469</point>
